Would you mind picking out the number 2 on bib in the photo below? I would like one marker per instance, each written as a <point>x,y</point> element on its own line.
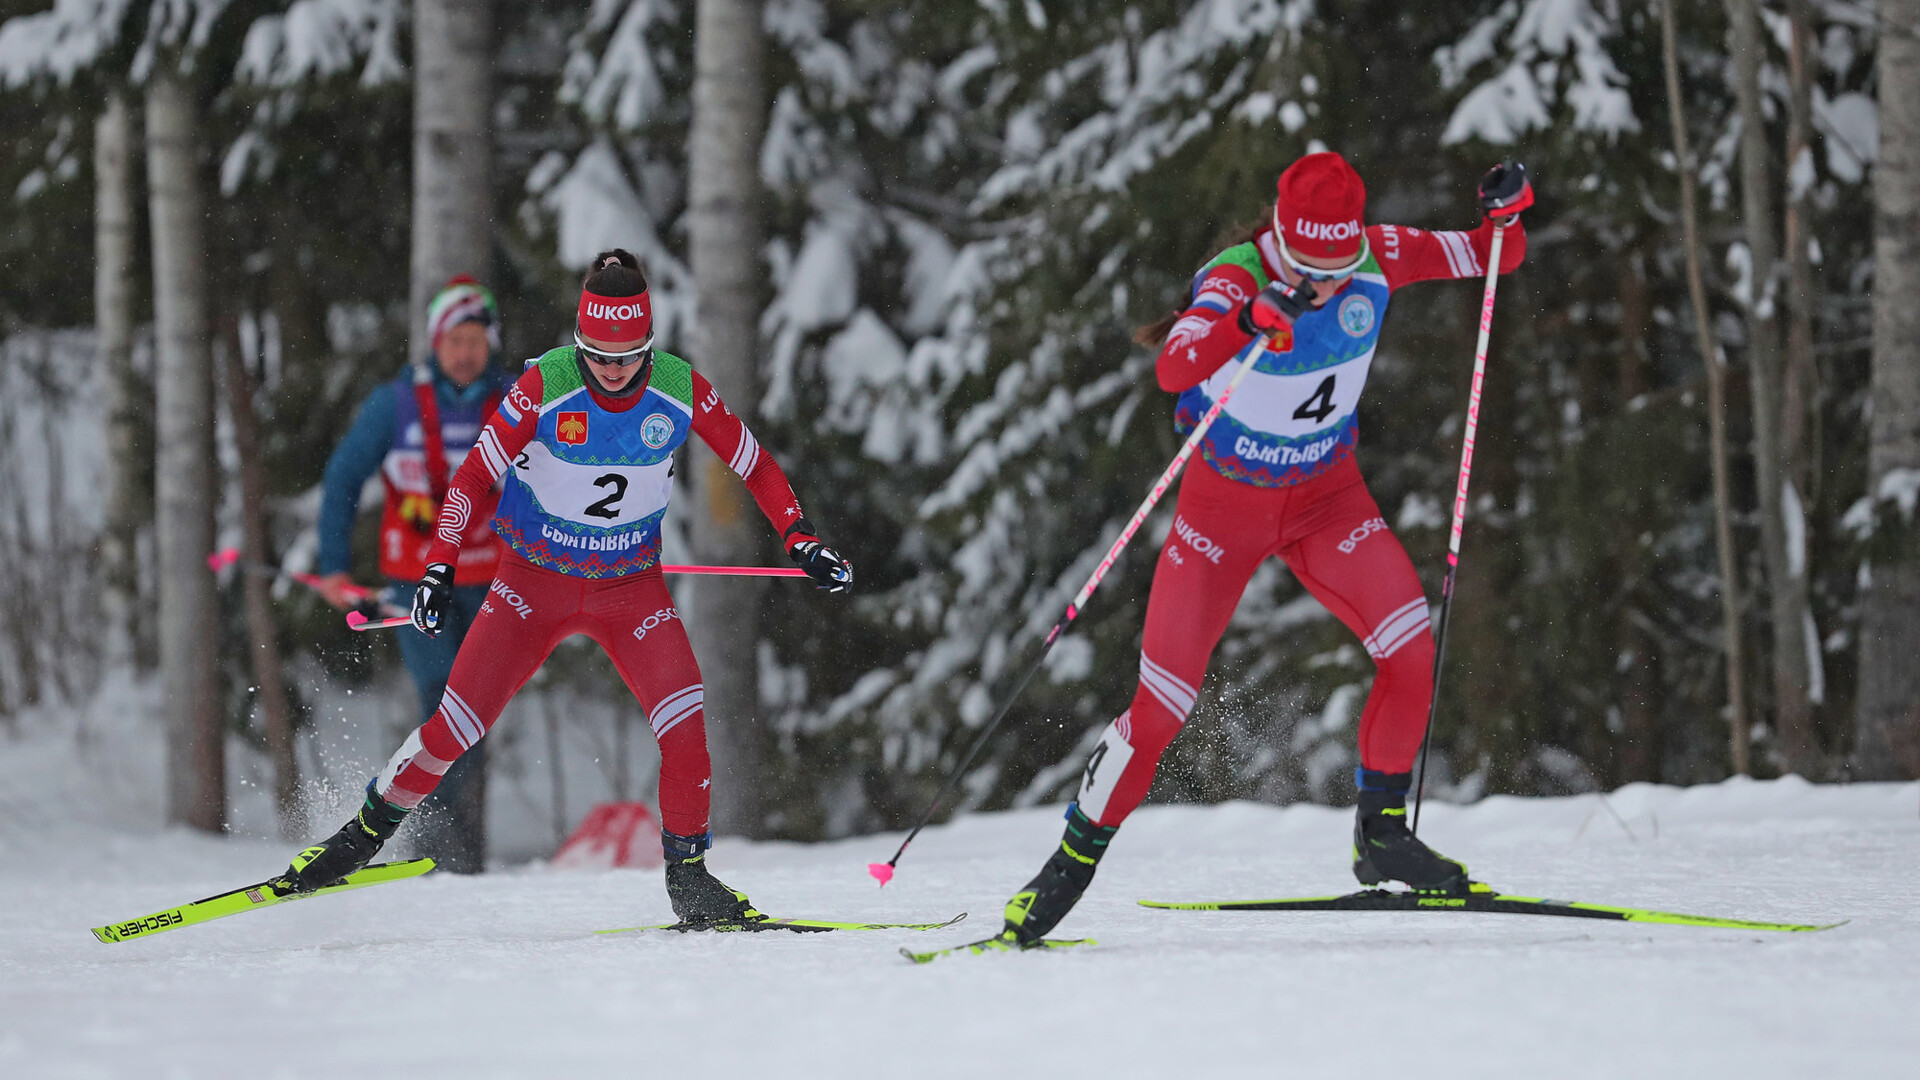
<point>606,508</point>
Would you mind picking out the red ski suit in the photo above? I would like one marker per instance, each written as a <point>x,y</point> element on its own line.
<point>530,609</point>
<point>1326,528</point>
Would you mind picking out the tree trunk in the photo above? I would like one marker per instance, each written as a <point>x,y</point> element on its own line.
<point>1737,722</point>
<point>129,507</point>
<point>1782,539</point>
<point>725,240</point>
<point>183,467</point>
<point>1800,747</point>
<point>452,151</point>
<point>1637,687</point>
<point>263,632</point>
<point>1887,743</point>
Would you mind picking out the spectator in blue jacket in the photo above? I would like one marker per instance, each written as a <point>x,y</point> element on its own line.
<point>414,432</point>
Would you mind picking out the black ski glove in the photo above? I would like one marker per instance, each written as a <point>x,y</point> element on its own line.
<point>1505,191</point>
<point>823,564</point>
<point>1276,308</point>
<point>430,599</point>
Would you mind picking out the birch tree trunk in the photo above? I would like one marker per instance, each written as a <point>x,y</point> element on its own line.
<point>725,240</point>
<point>1710,356</point>
<point>1783,554</point>
<point>183,468</point>
<point>1887,742</point>
<point>128,507</point>
<point>452,151</point>
<point>263,631</point>
<point>452,234</point>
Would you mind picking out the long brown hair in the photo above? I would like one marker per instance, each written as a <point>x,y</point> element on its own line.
<point>1154,334</point>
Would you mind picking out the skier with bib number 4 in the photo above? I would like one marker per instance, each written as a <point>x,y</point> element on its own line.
<point>1302,301</point>
<point>584,442</point>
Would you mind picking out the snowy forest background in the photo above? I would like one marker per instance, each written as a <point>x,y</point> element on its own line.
<point>960,209</point>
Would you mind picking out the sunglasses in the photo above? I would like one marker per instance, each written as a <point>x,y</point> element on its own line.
<point>1315,273</point>
<point>643,352</point>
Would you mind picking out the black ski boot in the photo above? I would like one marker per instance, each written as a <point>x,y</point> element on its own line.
<point>699,899</point>
<point>1040,906</point>
<point>1384,849</point>
<point>350,849</point>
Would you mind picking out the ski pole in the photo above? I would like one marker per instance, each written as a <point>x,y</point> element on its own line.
<point>1459,510</point>
<point>226,557</point>
<point>883,872</point>
<point>359,621</point>
<point>736,571</point>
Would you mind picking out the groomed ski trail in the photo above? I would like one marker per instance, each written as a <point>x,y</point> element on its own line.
<point>501,975</point>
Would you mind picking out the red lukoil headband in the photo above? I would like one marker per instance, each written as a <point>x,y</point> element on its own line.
<point>613,319</point>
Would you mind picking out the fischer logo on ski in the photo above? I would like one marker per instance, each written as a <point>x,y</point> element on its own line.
<point>249,898</point>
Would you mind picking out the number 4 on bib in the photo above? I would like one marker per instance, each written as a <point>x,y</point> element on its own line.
<point>1319,404</point>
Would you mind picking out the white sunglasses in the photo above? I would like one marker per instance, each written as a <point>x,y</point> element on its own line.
<point>644,351</point>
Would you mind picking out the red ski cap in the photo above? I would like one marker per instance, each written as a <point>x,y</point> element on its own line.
<point>614,319</point>
<point>1320,207</point>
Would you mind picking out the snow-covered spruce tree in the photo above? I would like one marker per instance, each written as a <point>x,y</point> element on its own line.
<point>1582,393</point>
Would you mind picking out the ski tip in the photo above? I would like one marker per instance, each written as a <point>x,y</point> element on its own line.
<point>881,872</point>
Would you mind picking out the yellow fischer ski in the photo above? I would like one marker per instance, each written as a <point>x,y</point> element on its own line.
<point>249,898</point>
<point>1482,898</point>
<point>1001,942</point>
<point>802,926</point>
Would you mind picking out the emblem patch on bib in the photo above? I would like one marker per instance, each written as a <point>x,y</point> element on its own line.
<point>1356,316</point>
<point>656,430</point>
<point>571,428</point>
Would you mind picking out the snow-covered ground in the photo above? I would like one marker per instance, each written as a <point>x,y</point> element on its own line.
<point>501,976</point>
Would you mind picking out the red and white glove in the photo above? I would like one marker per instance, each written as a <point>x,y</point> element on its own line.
<point>1505,191</point>
<point>1274,309</point>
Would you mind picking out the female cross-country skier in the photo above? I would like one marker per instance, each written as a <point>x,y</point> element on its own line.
<point>1303,302</point>
<point>584,441</point>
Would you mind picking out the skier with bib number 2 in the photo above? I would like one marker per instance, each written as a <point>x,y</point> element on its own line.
<point>1303,302</point>
<point>584,442</point>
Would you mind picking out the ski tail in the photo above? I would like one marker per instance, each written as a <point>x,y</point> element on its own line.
<point>1001,942</point>
<point>798,926</point>
<point>1483,899</point>
<point>247,898</point>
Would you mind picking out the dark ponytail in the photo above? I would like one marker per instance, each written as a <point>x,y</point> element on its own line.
<point>615,273</point>
<point>1154,334</point>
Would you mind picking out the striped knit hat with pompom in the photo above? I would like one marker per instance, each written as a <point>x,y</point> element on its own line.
<point>463,300</point>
